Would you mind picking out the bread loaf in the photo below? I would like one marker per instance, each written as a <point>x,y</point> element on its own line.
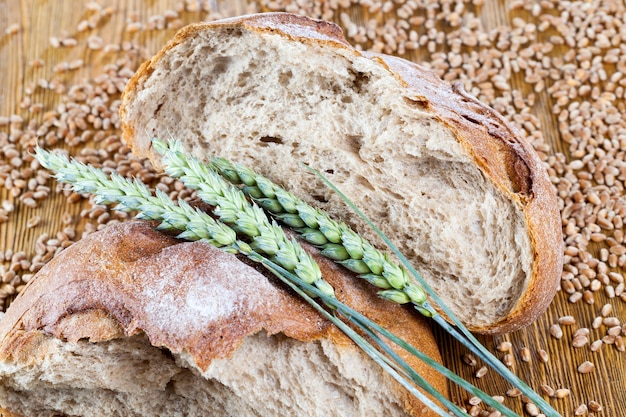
<point>130,322</point>
<point>445,177</point>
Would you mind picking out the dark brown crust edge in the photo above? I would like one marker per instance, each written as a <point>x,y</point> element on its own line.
<point>506,159</point>
<point>95,290</point>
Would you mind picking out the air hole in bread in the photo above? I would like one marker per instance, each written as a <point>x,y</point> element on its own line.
<point>242,81</point>
<point>285,77</point>
<point>320,198</point>
<point>363,182</point>
<point>188,52</point>
<point>355,142</point>
<point>221,65</point>
<point>416,103</point>
<point>391,193</point>
<point>176,64</point>
<point>271,139</point>
<point>360,80</point>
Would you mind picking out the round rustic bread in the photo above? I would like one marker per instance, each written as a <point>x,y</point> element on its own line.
<point>445,177</point>
<point>129,321</point>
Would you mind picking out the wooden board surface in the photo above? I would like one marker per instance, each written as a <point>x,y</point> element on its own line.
<point>38,20</point>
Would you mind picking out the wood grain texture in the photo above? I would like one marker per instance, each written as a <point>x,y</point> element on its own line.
<point>41,19</point>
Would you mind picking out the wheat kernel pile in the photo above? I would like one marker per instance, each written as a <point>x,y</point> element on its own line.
<point>555,69</point>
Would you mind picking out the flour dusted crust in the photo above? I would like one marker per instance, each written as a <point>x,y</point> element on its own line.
<point>186,297</point>
<point>495,148</point>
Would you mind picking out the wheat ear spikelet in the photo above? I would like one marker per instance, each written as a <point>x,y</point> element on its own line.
<point>135,196</point>
<point>191,222</point>
<point>336,239</point>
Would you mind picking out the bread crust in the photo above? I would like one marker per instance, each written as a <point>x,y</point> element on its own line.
<point>7,413</point>
<point>98,290</point>
<point>497,149</point>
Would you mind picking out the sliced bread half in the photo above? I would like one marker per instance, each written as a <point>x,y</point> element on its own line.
<point>130,322</point>
<point>445,177</point>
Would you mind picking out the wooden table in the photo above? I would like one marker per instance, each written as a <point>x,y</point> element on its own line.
<point>39,20</point>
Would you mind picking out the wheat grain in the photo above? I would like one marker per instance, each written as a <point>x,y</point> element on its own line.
<point>562,393</point>
<point>513,393</point>
<point>531,409</point>
<point>469,359</point>
<point>586,367</point>
<point>482,371</point>
<point>547,390</point>
<point>555,330</point>
<point>595,406</point>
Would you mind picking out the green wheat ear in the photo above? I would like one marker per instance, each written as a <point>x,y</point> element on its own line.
<point>335,239</point>
<point>129,195</point>
<point>232,208</point>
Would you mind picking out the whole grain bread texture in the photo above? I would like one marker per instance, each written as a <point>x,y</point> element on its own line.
<point>131,322</point>
<point>445,177</point>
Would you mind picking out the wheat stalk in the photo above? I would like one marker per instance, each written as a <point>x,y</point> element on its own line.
<point>336,240</point>
<point>342,244</point>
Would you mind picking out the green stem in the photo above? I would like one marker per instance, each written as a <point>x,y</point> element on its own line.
<point>369,326</point>
<point>407,371</point>
<point>466,338</point>
<point>294,283</point>
<point>486,398</point>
